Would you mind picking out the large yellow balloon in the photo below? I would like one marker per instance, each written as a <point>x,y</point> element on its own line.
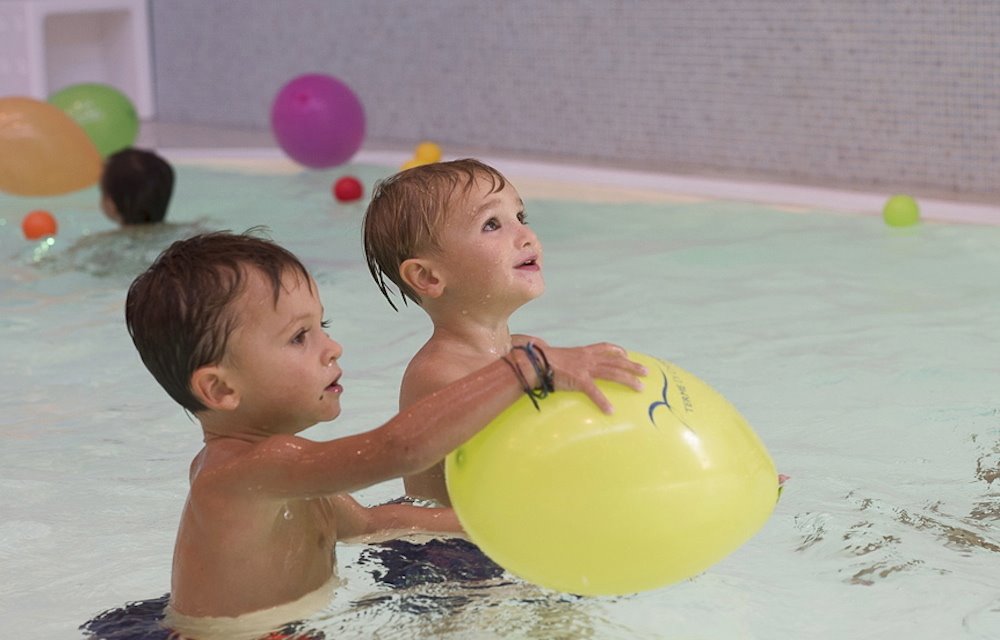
<point>581,502</point>
<point>42,151</point>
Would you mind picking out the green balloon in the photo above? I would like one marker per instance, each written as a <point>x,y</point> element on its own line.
<point>108,117</point>
<point>901,211</point>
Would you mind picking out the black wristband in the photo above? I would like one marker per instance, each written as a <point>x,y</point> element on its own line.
<point>547,378</point>
<point>543,370</point>
<point>524,381</point>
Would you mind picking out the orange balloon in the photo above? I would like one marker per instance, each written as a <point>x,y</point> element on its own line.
<point>43,151</point>
<point>39,224</point>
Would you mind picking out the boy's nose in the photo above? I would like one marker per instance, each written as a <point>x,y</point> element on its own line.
<point>528,236</point>
<point>335,350</point>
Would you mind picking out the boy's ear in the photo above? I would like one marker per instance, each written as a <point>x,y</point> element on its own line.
<point>422,277</point>
<point>209,385</point>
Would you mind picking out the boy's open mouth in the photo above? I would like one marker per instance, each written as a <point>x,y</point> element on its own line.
<point>335,386</point>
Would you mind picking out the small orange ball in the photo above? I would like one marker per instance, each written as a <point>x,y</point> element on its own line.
<point>39,224</point>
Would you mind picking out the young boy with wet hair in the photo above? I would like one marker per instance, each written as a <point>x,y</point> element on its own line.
<point>453,237</point>
<point>232,327</point>
<point>136,186</point>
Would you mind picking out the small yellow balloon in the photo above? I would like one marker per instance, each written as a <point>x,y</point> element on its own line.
<point>592,504</point>
<point>43,151</point>
<point>412,162</point>
<point>427,152</point>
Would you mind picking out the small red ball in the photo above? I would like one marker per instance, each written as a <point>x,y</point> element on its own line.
<point>347,189</point>
<point>38,224</point>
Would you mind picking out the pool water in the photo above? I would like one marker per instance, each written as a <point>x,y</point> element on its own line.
<point>867,358</point>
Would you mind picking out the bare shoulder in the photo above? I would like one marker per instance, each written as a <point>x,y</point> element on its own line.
<point>215,499</point>
<point>231,463</point>
<point>434,367</point>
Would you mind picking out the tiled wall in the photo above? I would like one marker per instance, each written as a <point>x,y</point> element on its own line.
<point>886,94</point>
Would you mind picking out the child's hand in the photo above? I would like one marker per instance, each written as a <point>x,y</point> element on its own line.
<point>577,368</point>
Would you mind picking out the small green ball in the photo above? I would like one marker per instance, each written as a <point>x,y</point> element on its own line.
<point>901,211</point>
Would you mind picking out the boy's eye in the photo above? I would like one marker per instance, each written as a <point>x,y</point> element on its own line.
<point>491,225</point>
<point>299,337</point>
<point>522,217</point>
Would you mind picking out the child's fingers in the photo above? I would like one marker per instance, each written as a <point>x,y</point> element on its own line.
<point>622,370</point>
<point>619,354</point>
<point>610,348</point>
<point>597,396</point>
<point>635,371</point>
<point>628,377</point>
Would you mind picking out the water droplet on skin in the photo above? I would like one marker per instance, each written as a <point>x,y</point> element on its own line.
<point>286,514</point>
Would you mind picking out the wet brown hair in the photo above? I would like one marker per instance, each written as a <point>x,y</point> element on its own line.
<point>139,183</point>
<point>179,312</point>
<point>406,210</point>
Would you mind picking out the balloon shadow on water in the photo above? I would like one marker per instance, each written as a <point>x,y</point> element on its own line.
<point>447,588</point>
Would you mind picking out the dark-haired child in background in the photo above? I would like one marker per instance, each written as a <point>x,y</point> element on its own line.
<point>136,186</point>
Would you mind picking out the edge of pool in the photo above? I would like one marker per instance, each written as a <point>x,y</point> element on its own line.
<point>835,200</point>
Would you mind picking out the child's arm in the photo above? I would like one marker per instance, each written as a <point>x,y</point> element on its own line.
<point>434,371</point>
<point>521,339</point>
<point>368,524</point>
<point>287,466</point>
<point>430,370</point>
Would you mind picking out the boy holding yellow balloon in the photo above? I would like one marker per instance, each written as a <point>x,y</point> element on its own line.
<point>232,327</point>
<point>453,237</point>
<point>564,498</point>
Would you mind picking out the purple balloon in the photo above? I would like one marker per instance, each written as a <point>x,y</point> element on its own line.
<point>318,121</point>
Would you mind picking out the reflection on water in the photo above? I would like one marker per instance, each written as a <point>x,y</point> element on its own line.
<point>447,588</point>
<point>987,507</point>
<point>405,563</point>
<point>133,621</point>
<point>119,253</point>
<point>890,539</point>
<point>500,610</point>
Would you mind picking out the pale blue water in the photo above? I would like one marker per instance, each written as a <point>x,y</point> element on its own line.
<point>867,359</point>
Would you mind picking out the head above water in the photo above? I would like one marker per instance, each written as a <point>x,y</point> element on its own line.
<point>180,311</point>
<point>136,186</point>
<point>407,211</point>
